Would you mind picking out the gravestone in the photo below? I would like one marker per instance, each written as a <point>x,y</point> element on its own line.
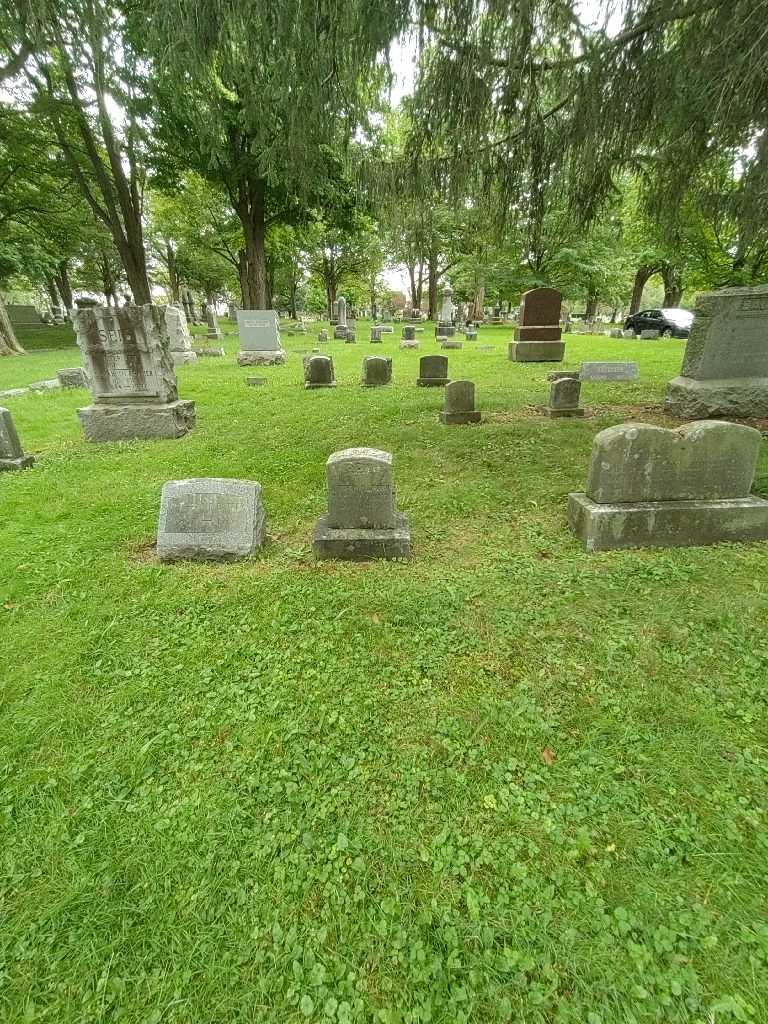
<point>450,343</point>
<point>627,335</point>
<point>214,331</point>
<point>470,334</point>
<point>616,332</point>
<point>459,407</point>
<point>649,335</point>
<point>433,372</point>
<point>538,339</point>
<point>72,377</point>
<point>334,312</point>
<point>387,329</point>
<point>322,337</point>
<point>340,330</point>
<point>408,343</point>
<point>564,398</point>
<point>409,333</point>
<point>318,372</point>
<point>11,453</point>
<point>260,343</point>
<point>375,335</point>
<point>179,338</point>
<point>377,371</point>
<point>725,367</point>
<point>444,327</point>
<point>609,371</point>
<point>351,338</point>
<point>205,352</point>
<point>256,382</point>
<point>210,520</point>
<point>362,521</point>
<point>131,374</point>
<point>232,310</point>
<point>651,487</point>
<point>22,316</point>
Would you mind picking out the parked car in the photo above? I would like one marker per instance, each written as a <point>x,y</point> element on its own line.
<point>670,323</point>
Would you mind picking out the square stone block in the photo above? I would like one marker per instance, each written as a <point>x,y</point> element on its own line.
<point>666,524</point>
<point>362,545</point>
<point>742,397</point>
<point>137,422</point>
<point>537,351</point>
<point>210,520</point>
<point>267,357</point>
<point>552,333</point>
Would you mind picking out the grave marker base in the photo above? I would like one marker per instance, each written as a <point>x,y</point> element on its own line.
<point>362,545</point>
<point>557,414</point>
<point>272,357</point>
<point>137,422</point>
<point>459,418</point>
<point>537,351</point>
<point>743,397</point>
<point>24,462</point>
<point>666,524</point>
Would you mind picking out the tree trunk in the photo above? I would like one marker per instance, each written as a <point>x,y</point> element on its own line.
<point>9,344</point>
<point>53,294</point>
<point>478,303</point>
<point>373,299</point>
<point>108,281</point>
<point>673,285</point>
<point>412,280</point>
<point>432,287</point>
<point>251,211</point>
<point>591,310</point>
<point>62,283</point>
<point>420,285</point>
<point>292,297</point>
<point>643,275</point>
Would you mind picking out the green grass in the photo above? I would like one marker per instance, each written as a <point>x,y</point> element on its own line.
<point>33,338</point>
<point>508,781</point>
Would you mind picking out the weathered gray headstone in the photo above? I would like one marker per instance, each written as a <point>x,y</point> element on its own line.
<point>609,371</point>
<point>260,343</point>
<point>340,329</point>
<point>564,398</point>
<point>178,336</point>
<point>616,332</point>
<point>538,338</point>
<point>210,520</point>
<point>72,377</point>
<point>375,335</point>
<point>377,371</point>
<point>362,521</point>
<point>11,453</point>
<point>22,316</point>
<point>131,374</point>
<point>205,352</point>
<point>627,335</point>
<point>351,336</point>
<point>459,404</point>
<point>408,343</point>
<point>433,372</point>
<point>445,328</point>
<point>256,382</point>
<point>470,334</point>
<point>451,343</point>
<point>322,336</point>
<point>409,333</point>
<point>214,331</point>
<point>651,487</point>
<point>318,372</point>
<point>725,367</point>
<point>649,335</point>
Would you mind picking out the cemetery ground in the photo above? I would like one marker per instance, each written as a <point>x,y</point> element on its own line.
<point>508,780</point>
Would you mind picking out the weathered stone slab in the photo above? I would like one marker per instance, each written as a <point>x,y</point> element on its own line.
<point>538,333</point>
<point>564,398</point>
<point>537,351</point>
<point>433,372</point>
<point>649,335</point>
<point>179,337</point>
<point>725,367</point>
<point>451,343</point>
<point>214,331</point>
<point>408,343</point>
<point>129,422</point>
<point>210,520</point>
<point>256,382</point>
<point>260,343</point>
<point>609,371</point>
<point>205,352</point>
<point>540,307</point>
<point>459,407</point>
<point>377,371</point>
<point>376,335</point>
<point>12,455</point>
<point>72,377</point>
<point>322,336</point>
<point>362,521</point>
<point>627,335</point>
<point>318,372</point>
<point>409,333</point>
<point>351,336</point>
<point>470,335</point>
<point>709,459</point>
<point>659,524</point>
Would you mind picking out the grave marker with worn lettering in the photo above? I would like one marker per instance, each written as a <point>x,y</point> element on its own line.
<point>210,519</point>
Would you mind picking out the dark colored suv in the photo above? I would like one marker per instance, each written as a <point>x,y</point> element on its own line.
<point>670,323</point>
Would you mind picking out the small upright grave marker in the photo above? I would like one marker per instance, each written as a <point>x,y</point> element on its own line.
<point>377,371</point>
<point>11,453</point>
<point>179,337</point>
<point>318,372</point>
<point>564,398</point>
<point>210,520</point>
<point>459,405</point>
<point>433,372</point>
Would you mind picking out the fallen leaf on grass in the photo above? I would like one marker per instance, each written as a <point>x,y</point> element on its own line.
<point>548,756</point>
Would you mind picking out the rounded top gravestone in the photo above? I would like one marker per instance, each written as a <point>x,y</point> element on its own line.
<point>361,490</point>
<point>377,371</point>
<point>540,307</point>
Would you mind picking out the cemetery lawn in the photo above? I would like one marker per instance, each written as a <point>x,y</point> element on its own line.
<point>508,781</point>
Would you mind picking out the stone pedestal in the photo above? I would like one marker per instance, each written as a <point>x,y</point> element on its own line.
<point>537,351</point>
<point>273,358</point>
<point>650,487</point>
<point>444,330</point>
<point>129,422</point>
<point>362,522</point>
<point>209,353</point>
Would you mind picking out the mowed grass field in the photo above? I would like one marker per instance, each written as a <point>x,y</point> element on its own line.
<point>505,781</point>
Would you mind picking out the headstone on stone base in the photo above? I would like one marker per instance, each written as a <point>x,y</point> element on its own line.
<point>210,520</point>
<point>409,333</point>
<point>260,343</point>
<point>651,487</point>
<point>433,372</point>
<point>351,337</point>
<point>725,367</point>
<point>214,331</point>
<point>318,372</point>
<point>340,330</point>
<point>11,453</point>
<point>131,374</point>
<point>72,377</point>
<point>470,334</point>
<point>23,316</point>
<point>538,339</point>
<point>362,521</point>
<point>609,371</point>
<point>377,371</point>
<point>564,398</point>
<point>178,336</point>
<point>459,407</point>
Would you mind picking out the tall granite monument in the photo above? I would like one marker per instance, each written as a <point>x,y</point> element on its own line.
<point>725,367</point>
<point>538,338</point>
<point>129,365</point>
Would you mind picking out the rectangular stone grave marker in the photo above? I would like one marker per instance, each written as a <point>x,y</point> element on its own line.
<point>72,377</point>
<point>11,453</point>
<point>179,337</point>
<point>725,367</point>
<point>564,398</point>
<point>377,371</point>
<point>205,352</point>
<point>318,372</point>
<point>538,338</point>
<point>609,371</point>
<point>433,372</point>
<point>459,405</point>
<point>362,521</point>
<point>649,335</point>
<point>651,487</point>
<point>260,343</point>
<point>131,374</point>
<point>210,519</point>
